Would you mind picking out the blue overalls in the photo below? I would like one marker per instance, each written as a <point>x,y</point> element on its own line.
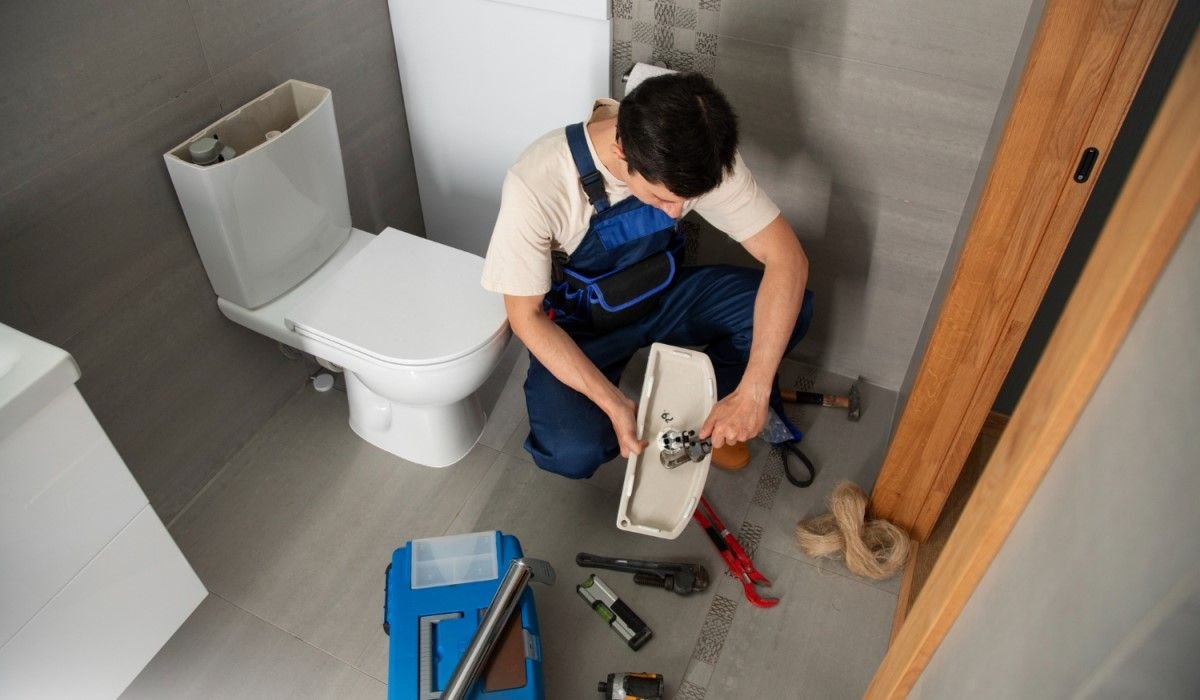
<point>710,306</point>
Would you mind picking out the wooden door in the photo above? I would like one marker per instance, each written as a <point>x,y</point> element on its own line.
<point>1159,199</point>
<point>1081,75</point>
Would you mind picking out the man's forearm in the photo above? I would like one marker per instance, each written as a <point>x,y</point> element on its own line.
<point>562,357</point>
<point>776,308</point>
<point>742,414</point>
<point>777,305</point>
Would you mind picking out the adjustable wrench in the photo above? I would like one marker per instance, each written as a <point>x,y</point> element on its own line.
<point>736,559</point>
<point>681,578</point>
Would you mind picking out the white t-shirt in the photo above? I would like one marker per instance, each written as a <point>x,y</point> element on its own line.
<point>543,209</point>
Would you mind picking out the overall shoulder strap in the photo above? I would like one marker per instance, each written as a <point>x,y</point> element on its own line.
<point>589,177</point>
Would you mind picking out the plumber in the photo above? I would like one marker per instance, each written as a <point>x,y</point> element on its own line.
<point>587,253</point>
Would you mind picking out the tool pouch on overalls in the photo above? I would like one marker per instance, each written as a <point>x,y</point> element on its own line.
<point>625,262</point>
<point>621,297</point>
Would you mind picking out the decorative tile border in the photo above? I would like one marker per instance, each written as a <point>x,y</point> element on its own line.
<point>690,691</point>
<point>715,629</point>
<point>769,481</point>
<point>622,51</point>
<point>750,535</point>
<point>681,34</point>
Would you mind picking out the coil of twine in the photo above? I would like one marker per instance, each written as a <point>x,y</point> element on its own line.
<point>876,549</point>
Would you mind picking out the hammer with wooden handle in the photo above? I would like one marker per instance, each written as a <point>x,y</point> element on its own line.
<point>852,401</point>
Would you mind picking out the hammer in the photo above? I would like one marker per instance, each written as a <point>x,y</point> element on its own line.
<point>851,402</point>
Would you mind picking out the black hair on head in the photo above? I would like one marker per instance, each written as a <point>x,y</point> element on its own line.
<point>679,131</point>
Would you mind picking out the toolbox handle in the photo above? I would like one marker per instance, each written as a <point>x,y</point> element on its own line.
<point>427,661</point>
<point>387,575</point>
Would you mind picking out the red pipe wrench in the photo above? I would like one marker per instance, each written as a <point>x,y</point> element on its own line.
<point>735,557</point>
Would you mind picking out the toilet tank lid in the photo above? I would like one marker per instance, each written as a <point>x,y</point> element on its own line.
<point>404,300</point>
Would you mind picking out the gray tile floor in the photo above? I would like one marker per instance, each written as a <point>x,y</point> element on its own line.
<point>292,537</point>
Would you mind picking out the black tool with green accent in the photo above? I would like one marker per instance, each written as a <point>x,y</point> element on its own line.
<point>614,612</point>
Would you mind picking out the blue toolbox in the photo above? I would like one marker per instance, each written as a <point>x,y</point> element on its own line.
<point>436,593</point>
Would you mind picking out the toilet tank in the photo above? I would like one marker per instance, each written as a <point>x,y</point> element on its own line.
<point>268,217</point>
<point>482,79</point>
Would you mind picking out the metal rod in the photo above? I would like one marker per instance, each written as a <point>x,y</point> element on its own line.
<point>494,621</point>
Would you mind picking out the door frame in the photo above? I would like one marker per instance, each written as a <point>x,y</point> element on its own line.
<point>1082,72</point>
<point>1157,202</point>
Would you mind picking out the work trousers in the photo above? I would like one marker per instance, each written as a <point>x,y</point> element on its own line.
<point>709,306</point>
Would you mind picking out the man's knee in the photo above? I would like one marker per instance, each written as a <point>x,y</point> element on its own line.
<point>742,289</point>
<point>572,458</point>
<point>568,434</point>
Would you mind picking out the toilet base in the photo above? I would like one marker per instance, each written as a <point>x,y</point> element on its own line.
<point>432,436</point>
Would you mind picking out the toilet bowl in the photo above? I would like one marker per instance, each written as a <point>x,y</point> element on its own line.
<point>404,317</point>
<point>415,334</point>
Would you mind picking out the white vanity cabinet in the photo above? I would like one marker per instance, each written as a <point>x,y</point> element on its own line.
<point>91,583</point>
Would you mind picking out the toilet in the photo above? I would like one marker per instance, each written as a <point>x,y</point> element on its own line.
<point>404,318</point>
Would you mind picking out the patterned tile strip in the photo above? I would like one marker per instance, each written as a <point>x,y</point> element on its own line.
<point>664,13</point>
<point>676,59</point>
<point>684,17</point>
<point>643,32</point>
<point>623,51</point>
<point>690,691</point>
<point>750,535</point>
<point>664,36</point>
<point>678,33</point>
<point>769,481</point>
<point>706,65</point>
<point>716,627</point>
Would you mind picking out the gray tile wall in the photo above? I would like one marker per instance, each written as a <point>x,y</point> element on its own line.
<point>865,120</point>
<point>95,255</point>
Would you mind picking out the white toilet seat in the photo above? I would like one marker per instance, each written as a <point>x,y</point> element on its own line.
<point>364,311</point>
<point>376,360</point>
<point>412,361</point>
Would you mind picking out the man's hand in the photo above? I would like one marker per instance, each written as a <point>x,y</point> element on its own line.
<point>623,414</point>
<point>737,417</point>
<point>563,358</point>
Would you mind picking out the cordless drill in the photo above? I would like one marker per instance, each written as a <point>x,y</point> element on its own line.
<point>633,686</point>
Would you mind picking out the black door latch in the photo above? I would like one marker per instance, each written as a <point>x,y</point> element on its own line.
<point>1086,163</point>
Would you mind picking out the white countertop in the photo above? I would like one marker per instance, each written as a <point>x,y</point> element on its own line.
<point>32,372</point>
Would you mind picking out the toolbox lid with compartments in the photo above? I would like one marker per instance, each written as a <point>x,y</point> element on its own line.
<point>436,593</point>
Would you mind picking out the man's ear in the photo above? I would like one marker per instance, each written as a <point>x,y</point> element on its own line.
<point>617,150</point>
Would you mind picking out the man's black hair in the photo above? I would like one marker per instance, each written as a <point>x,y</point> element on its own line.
<point>679,131</point>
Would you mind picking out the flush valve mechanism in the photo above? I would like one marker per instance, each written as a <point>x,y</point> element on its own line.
<point>678,447</point>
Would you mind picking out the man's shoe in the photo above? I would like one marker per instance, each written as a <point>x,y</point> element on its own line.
<point>732,457</point>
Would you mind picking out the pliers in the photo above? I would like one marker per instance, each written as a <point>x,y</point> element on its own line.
<point>736,559</point>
